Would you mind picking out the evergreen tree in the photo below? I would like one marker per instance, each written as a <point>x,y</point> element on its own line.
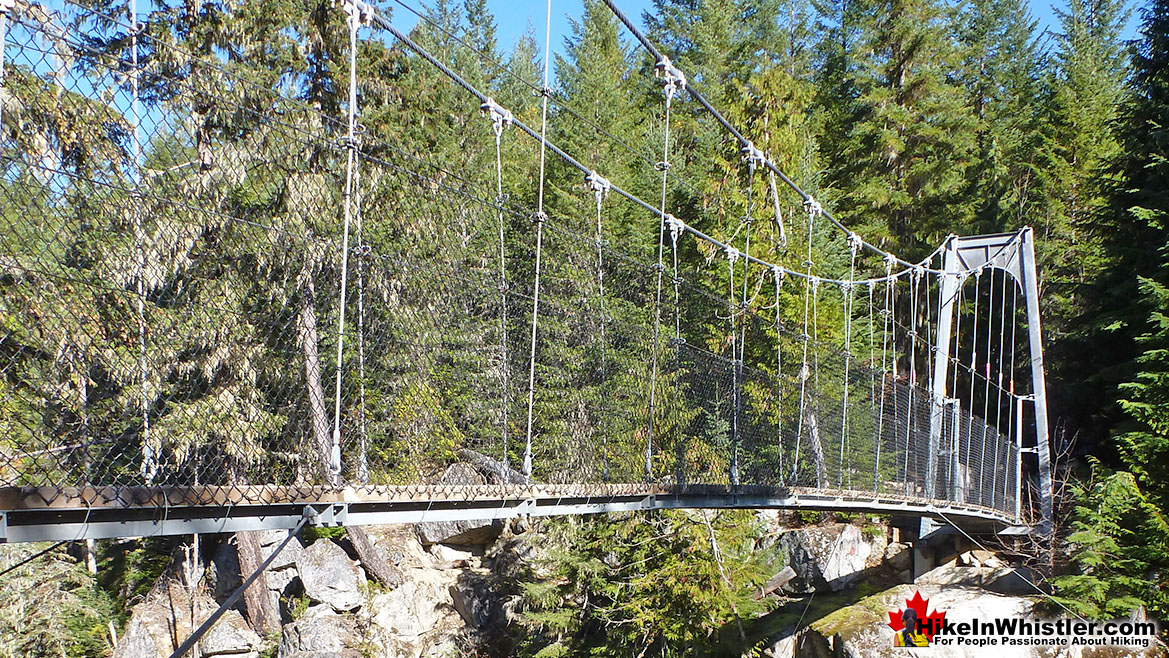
<point>1001,71</point>
<point>1122,536</point>
<point>903,162</point>
<point>1088,280</point>
<point>1138,221</point>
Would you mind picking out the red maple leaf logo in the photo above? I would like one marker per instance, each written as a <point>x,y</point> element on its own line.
<point>930,623</point>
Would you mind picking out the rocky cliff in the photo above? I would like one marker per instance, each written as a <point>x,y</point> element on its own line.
<point>437,590</point>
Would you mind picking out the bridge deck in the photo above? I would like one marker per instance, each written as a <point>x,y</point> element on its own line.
<point>53,514</point>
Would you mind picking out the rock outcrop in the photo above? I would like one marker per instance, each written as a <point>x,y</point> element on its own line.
<point>462,533</point>
<point>319,633</point>
<point>168,616</point>
<point>331,606</point>
<point>829,557</point>
<point>330,577</point>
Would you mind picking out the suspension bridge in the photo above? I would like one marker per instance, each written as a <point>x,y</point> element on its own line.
<point>228,306</point>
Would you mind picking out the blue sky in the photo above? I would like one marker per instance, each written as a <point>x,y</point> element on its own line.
<point>515,17</point>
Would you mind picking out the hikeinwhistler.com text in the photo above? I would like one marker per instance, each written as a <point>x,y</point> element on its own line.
<point>1013,631</point>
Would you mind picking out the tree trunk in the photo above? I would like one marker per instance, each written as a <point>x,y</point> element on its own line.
<point>83,423</point>
<point>817,448</point>
<point>261,613</point>
<point>312,372</point>
<point>372,560</point>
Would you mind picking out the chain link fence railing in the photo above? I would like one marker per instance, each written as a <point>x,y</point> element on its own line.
<point>175,329</point>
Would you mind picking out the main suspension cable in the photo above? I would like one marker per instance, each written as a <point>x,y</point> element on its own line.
<point>376,18</point>
<point>743,141</point>
<point>555,97</point>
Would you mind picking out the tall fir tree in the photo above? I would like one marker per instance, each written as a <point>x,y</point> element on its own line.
<point>1137,222</point>
<point>902,166</point>
<point>1121,536</point>
<point>1001,69</point>
<point>1085,87</point>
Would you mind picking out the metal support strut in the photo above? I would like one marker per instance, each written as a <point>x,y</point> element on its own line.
<point>1014,254</point>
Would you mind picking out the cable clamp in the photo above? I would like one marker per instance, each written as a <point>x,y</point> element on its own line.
<point>677,341</point>
<point>912,335</point>
<point>544,92</point>
<point>918,272</point>
<point>501,199</point>
<point>872,285</point>
<point>599,185</point>
<point>500,116</point>
<point>504,287</point>
<point>815,281</point>
<point>662,166</point>
<point>364,11</point>
<point>803,338</point>
<point>658,267</point>
<point>673,78</point>
<point>677,281</point>
<point>778,273</point>
<point>846,287</point>
<point>890,260</point>
<point>753,156</point>
<point>362,250</point>
<point>855,243</point>
<point>808,264</point>
<point>675,225</point>
<point>813,206</point>
<point>539,217</point>
<point>732,254</point>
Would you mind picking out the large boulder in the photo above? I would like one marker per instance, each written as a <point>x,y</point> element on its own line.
<point>462,533</point>
<point>417,618</point>
<point>171,613</point>
<point>270,540</point>
<point>493,470</point>
<point>475,601</point>
<point>398,545</point>
<point>829,557</point>
<point>224,571</point>
<point>330,577</point>
<point>899,557</point>
<point>321,633</point>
